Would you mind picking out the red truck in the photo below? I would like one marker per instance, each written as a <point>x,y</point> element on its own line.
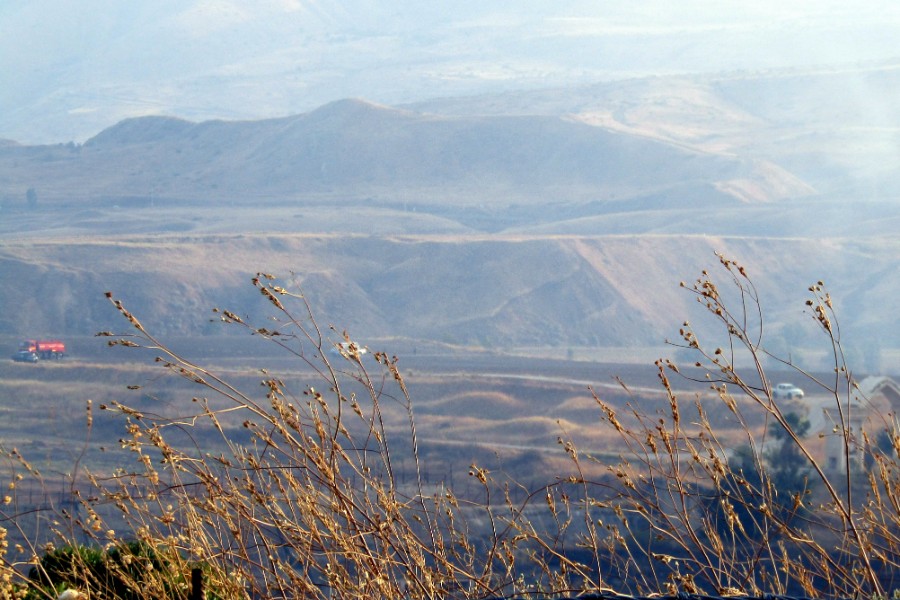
<point>44,348</point>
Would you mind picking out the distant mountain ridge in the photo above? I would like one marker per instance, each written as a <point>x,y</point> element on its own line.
<point>356,148</point>
<point>140,130</point>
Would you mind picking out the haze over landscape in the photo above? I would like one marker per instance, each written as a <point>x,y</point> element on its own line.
<point>499,226</point>
<point>473,175</point>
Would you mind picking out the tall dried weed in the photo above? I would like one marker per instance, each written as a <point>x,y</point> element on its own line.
<point>299,494</point>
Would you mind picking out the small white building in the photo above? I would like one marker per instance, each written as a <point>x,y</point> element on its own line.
<point>871,409</point>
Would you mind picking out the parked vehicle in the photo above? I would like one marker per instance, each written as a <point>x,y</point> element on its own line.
<point>44,348</point>
<point>786,391</point>
<point>25,356</point>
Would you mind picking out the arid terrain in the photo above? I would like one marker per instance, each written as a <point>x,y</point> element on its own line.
<point>512,250</point>
<point>505,413</point>
<point>562,219</point>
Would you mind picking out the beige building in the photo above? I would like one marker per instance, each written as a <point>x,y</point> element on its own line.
<point>870,411</point>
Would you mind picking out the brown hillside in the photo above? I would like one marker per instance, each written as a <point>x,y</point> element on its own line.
<point>500,292</point>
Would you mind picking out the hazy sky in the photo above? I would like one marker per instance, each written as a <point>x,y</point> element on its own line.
<point>69,69</point>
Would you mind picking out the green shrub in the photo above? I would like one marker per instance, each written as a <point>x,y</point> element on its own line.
<point>127,571</point>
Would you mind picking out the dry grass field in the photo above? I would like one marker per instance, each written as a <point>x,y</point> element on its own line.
<point>501,411</point>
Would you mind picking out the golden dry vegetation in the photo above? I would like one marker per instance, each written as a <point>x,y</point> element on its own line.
<point>331,470</point>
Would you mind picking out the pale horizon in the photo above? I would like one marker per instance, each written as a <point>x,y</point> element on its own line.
<point>70,70</point>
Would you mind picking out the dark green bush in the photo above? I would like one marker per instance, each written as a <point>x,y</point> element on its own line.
<point>120,572</point>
